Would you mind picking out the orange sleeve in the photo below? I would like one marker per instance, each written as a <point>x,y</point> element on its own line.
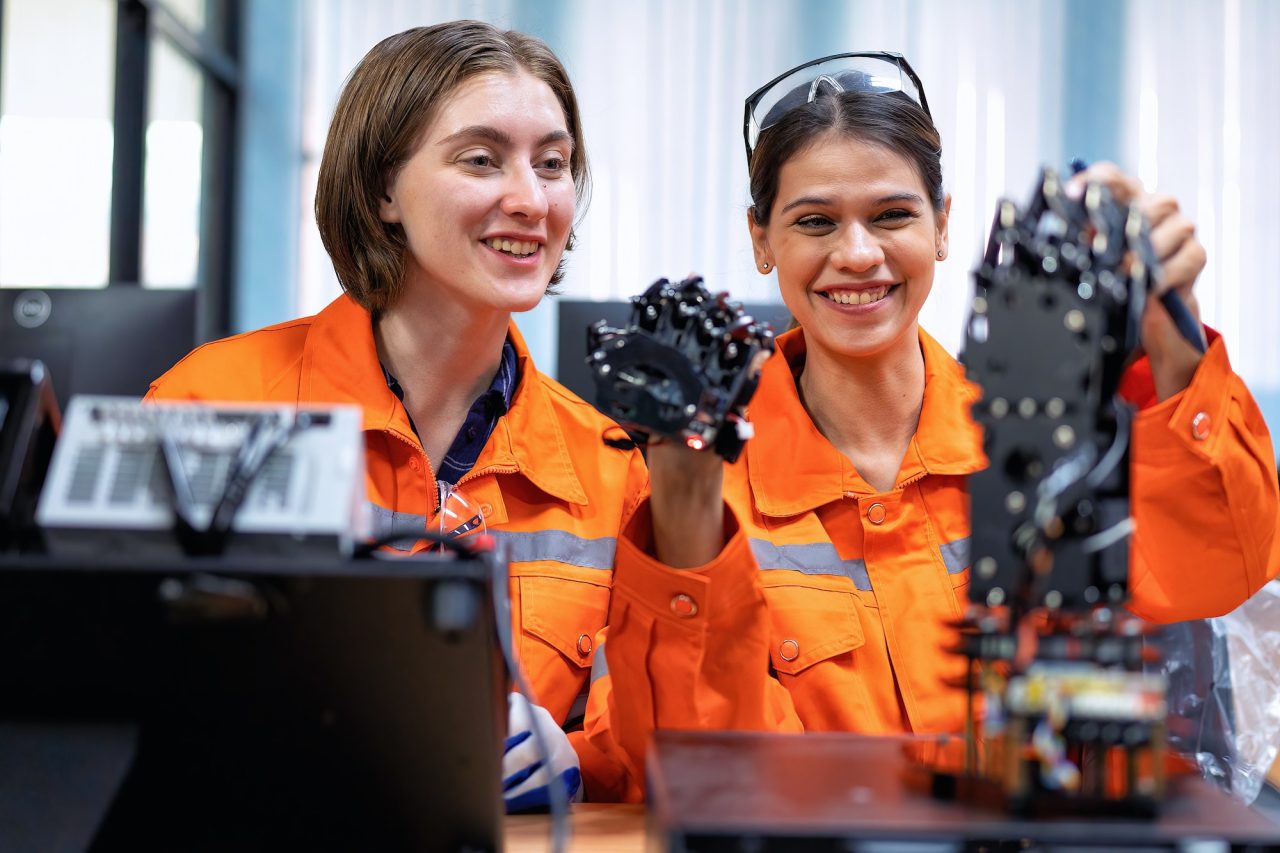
<point>186,380</point>
<point>1138,383</point>
<point>162,390</point>
<point>685,649</point>
<point>1204,498</point>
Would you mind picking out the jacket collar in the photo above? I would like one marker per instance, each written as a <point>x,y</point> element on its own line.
<point>530,435</point>
<point>340,365</point>
<point>793,468</point>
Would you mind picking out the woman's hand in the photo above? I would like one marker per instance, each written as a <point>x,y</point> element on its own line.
<point>1181,256</point>
<point>687,504</point>
<point>527,773</point>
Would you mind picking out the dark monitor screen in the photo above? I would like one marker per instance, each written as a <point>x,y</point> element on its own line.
<point>276,706</point>
<point>112,340</point>
<point>576,315</point>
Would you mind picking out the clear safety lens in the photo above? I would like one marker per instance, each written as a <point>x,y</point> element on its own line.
<point>851,72</point>
<point>457,516</point>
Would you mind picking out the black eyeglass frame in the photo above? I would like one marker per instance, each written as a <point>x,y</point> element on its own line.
<point>896,59</point>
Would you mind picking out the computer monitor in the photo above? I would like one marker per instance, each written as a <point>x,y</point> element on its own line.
<point>576,315</point>
<point>111,340</point>
<point>277,706</point>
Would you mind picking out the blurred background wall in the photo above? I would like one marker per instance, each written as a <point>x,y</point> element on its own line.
<point>1181,92</point>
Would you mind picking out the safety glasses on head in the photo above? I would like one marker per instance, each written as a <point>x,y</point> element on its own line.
<point>874,71</point>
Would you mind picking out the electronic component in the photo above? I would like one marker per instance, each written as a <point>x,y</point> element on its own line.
<point>1057,698</point>
<point>166,478</point>
<point>684,367</point>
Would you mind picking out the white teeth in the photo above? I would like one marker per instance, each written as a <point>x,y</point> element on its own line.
<point>857,297</point>
<point>512,247</point>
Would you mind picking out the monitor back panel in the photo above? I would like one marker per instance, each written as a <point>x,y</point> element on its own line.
<point>111,340</point>
<point>276,712</point>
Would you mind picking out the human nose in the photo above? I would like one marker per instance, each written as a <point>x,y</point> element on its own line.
<point>523,194</point>
<point>858,250</point>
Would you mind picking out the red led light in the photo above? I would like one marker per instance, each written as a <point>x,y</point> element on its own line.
<point>695,442</point>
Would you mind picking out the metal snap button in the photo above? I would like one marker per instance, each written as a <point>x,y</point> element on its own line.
<point>789,650</point>
<point>684,606</point>
<point>584,644</point>
<point>486,510</point>
<point>876,513</point>
<point>1200,426</point>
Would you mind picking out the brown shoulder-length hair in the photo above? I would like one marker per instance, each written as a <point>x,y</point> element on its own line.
<point>386,104</point>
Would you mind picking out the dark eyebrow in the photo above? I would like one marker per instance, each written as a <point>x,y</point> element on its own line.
<point>817,201</point>
<point>478,131</point>
<point>892,197</point>
<point>821,201</point>
<point>498,137</point>
<point>556,136</point>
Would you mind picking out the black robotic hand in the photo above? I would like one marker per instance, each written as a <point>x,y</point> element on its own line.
<point>684,367</point>
<point>1054,321</point>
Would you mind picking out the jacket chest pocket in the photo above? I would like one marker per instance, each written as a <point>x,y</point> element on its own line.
<point>564,614</point>
<point>819,651</point>
<point>809,625</point>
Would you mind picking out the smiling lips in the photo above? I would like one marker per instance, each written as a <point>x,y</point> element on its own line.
<point>519,248</point>
<point>857,297</point>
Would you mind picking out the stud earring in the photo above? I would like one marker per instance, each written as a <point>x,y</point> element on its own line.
<point>764,265</point>
<point>939,254</point>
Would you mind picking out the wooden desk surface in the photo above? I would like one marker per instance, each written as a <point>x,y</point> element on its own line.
<point>597,828</point>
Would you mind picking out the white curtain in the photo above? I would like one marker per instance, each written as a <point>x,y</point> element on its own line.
<point>1202,121</point>
<point>662,83</point>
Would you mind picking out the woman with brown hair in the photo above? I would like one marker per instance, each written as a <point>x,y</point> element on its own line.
<point>447,196</point>
<point>814,584</point>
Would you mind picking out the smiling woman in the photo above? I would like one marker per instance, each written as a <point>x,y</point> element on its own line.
<point>815,584</point>
<point>446,200</point>
<point>487,200</point>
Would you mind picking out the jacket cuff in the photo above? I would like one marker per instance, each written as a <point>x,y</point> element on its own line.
<point>1138,384</point>
<point>686,598</point>
<point>1195,417</point>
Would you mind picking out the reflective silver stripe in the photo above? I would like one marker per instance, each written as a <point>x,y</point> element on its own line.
<point>558,545</point>
<point>599,666</point>
<point>814,558</point>
<point>386,521</point>
<point>579,708</point>
<point>955,555</point>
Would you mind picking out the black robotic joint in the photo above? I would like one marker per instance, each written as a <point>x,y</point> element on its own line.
<point>683,368</point>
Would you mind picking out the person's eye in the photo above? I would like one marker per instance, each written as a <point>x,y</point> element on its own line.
<point>478,160</point>
<point>814,222</point>
<point>895,216</point>
<point>554,163</point>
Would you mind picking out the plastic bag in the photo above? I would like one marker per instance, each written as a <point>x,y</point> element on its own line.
<point>1224,692</point>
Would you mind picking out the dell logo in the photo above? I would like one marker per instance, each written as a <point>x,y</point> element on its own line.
<point>31,308</point>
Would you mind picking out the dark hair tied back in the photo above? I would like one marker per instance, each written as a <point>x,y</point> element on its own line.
<point>891,120</point>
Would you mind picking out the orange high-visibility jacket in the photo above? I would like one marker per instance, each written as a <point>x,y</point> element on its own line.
<point>551,492</point>
<point>827,608</point>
